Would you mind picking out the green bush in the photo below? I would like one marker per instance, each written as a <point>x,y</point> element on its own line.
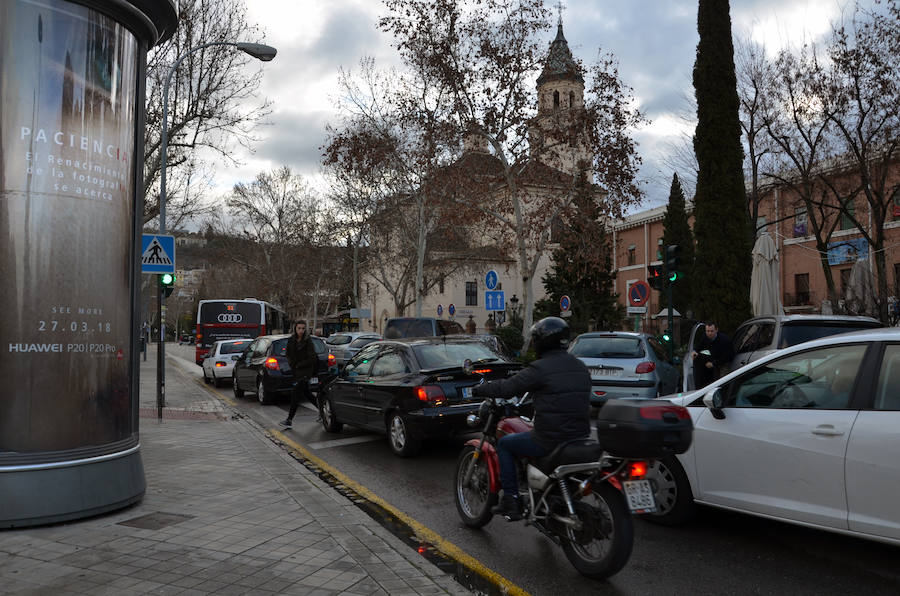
<point>511,338</point>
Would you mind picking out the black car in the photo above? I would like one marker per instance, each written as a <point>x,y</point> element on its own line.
<point>263,368</point>
<point>411,389</point>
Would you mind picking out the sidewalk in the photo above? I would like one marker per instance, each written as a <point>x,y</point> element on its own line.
<point>226,512</point>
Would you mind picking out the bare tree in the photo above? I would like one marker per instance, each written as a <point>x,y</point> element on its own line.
<point>213,102</point>
<point>281,228</point>
<point>486,53</point>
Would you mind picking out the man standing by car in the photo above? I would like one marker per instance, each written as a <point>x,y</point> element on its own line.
<point>301,355</point>
<point>560,387</point>
<point>714,352</point>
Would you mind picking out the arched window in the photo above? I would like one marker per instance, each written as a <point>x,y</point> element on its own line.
<point>556,99</point>
<point>571,99</point>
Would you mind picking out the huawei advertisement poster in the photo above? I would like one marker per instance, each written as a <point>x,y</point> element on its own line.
<point>67,125</point>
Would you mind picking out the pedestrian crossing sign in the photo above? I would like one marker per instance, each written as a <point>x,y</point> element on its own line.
<point>157,254</point>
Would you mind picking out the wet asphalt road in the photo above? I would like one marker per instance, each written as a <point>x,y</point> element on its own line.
<point>718,553</point>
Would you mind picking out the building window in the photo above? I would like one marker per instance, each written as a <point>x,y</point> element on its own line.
<point>895,203</point>
<point>801,287</point>
<point>471,293</point>
<point>845,281</point>
<point>760,225</point>
<point>441,284</point>
<point>556,99</point>
<point>799,222</point>
<point>571,99</point>
<point>631,259</point>
<point>659,249</point>
<point>846,221</point>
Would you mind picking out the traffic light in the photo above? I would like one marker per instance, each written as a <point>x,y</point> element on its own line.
<point>655,278</point>
<point>167,283</point>
<point>673,263</point>
<point>667,336</point>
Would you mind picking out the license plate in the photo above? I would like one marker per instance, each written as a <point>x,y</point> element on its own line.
<point>314,381</point>
<point>467,392</point>
<point>606,372</point>
<point>639,495</point>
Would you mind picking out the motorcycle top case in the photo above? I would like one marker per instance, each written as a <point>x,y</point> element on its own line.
<point>643,428</point>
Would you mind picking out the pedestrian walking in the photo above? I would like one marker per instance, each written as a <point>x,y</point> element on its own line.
<point>301,356</point>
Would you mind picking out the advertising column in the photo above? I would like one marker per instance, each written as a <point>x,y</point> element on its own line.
<point>69,100</point>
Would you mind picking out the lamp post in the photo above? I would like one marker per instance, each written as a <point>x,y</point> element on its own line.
<point>258,51</point>
<point>514,307</point>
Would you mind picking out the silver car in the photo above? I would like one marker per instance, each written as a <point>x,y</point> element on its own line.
<point>219,362</point>
<point>625,365</point>
<point>343,345</point>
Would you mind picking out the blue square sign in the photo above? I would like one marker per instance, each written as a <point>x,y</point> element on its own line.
<point>157,254</point>
<point>494,300</point>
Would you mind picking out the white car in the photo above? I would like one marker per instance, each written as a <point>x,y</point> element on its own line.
<point>807,435</point>
<point>219,363</point>
<point>344,344</point>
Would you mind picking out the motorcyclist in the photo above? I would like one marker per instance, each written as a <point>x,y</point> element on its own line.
<point>559,385</point>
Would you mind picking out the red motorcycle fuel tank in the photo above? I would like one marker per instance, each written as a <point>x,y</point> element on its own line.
<point>509,426</point>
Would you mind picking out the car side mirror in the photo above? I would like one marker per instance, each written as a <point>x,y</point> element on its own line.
<point>715,402</point>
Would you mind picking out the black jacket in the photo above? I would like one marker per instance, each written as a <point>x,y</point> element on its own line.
<point>301,355</point>
<point>720,348</point>
<point>560,386</point>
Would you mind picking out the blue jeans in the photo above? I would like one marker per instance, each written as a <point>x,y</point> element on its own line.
<point>509,449</point>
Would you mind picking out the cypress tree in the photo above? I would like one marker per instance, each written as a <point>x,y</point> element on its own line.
<point>582,268</point>
<point>677,230</point>
<point>721,279</point>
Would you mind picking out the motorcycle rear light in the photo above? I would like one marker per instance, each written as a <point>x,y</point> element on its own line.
<point>431,394</point>
<point>599,393</point>
<point>665,412</point>
<point>272,363</point>
<point>645,367</point>
<point>637,469</point>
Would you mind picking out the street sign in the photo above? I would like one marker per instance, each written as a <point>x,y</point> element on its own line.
<point>565,303</point>
<point>494,300</point>
<point>637,310</point>
<point>451,309</point>
<point>638,293</point>
<point>157,253</point>
<point>490,280</point>
<point>440,310</point>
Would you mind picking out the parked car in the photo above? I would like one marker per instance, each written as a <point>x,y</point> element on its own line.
<point>219,362</point>
<point>410,389</point>
<point>625,365</point>
<point>400,327</point>
<point>806,435</point>
<point>344,344</point>
<point>263,368</point>
<point>760,336</point>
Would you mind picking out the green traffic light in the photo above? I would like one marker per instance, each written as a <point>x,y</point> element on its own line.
<point>673,277</point>
<point>167,279</point>
<point>666,337</point>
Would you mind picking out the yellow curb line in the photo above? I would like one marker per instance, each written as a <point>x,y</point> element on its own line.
<point>422,532</point>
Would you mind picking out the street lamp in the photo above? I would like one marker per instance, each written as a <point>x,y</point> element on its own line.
<point>258,51</point>
<point>514,307</point>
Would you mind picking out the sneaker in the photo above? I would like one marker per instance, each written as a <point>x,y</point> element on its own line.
<point>286,423</point>
<point>508,507</point>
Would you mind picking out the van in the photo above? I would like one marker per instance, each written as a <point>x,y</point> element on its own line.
<point>399,327</point>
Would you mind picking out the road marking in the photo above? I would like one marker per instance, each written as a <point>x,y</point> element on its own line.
<point>341,442</point>
<point>422,532</point>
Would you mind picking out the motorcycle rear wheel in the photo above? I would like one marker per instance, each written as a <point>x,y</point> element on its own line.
<point>603,546</point>
<point>473,501</point>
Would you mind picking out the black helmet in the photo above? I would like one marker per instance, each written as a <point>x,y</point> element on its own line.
<point>550,333</point>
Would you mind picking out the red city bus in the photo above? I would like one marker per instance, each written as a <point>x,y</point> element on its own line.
<point>236,319</point>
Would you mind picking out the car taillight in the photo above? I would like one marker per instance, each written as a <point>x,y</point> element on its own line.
<point>431,394</point>
<point>272,363</point>
<point>645,367</point>
<point>220,363</point>
<point>331,360</point>
<point>483,371</point>
<point>199,336</point>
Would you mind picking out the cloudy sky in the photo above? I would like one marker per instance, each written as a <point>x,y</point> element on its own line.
<point>653,40</point>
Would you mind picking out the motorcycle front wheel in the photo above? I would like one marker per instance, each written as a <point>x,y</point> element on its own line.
<point>602,546</point>
<point>473,498</point>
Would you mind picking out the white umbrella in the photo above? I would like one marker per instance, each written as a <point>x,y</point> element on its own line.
<point>764,293</point>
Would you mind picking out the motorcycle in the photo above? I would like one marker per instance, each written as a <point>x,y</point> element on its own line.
<point>581,495</point>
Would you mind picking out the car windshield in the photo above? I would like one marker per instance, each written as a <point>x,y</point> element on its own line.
<point>337,340</point>
<point>797,333</point>
<point>235,347</point>
<point>608,347</point>
<point>362,341</point>
<point>446,355</point>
